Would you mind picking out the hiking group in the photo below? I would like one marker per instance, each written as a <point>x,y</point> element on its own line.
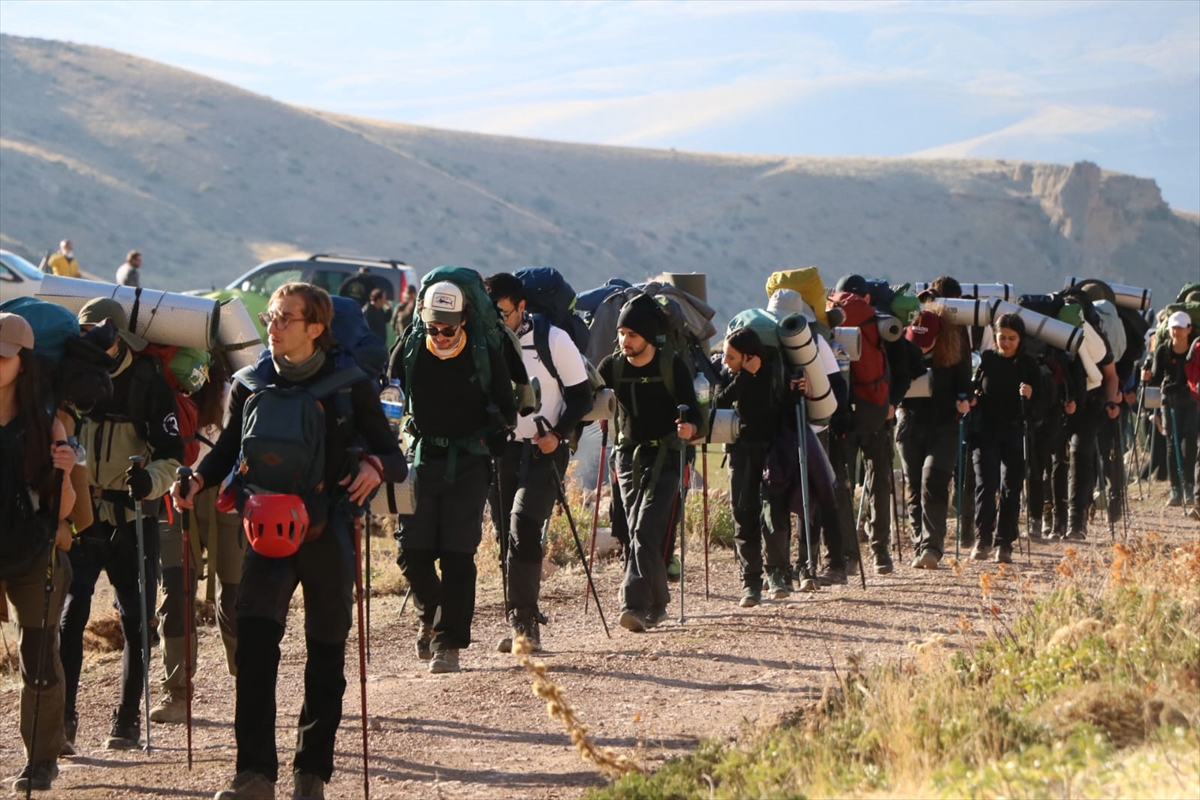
<point>147,460</point>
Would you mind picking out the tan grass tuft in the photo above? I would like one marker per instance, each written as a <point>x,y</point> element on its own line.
<point>1121,712</point>
<point>1071,635</point>
<point>610,763</point>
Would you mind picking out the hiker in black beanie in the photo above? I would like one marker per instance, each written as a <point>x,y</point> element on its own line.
<point>650,380</point>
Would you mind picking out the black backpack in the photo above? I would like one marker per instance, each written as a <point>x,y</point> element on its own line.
<point>27,534</point>
<point>547,293</point>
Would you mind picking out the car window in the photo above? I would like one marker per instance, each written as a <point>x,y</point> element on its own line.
<point>330,279</point>
<point>268,281</point>
<point>20,266</point>
<point>7,275</point>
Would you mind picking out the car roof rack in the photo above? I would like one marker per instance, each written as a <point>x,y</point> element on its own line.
<point>395,262</point>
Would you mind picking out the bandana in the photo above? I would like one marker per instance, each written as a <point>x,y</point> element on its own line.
<point>445,353</point>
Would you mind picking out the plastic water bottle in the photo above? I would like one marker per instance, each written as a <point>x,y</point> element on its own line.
<point>392,400</point>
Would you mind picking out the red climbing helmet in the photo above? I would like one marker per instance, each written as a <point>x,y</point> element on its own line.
<point>275,524</point>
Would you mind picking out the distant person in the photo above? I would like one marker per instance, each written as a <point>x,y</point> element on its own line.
<point>64,262</point>
<point>402,316</point>
<point>128,274</point>
<point>376,313</point>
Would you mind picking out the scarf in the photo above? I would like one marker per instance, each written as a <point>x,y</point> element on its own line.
<point>526,324</point>
<point>298,373</point>
<point>447,352</point>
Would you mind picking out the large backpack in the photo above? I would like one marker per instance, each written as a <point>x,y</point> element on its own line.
<point>78,367</point>
<point>185,370</point>
<point>486,334</point>
<point>869,374</point>
<point>548,294</point>
<point>354,337</point>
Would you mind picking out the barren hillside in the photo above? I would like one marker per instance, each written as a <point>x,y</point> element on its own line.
<point>206,179</point>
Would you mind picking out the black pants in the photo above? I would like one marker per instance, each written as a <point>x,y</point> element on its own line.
<point>876,449</point>
<point>1045,443</point>
<point>324,570</point>
<point>999,459</point>
<point>649,500</point>
<point>1078,471</point>
<point>757,519</point>
<point>520,501</point>
<point>1181,427</point>
<point>447,527</point>
<point>112,550</point>
<point>929,456</point>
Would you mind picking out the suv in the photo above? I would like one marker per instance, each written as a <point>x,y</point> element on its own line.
<point>329,272</point>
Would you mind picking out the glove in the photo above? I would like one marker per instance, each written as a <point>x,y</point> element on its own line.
<point>497,441</point>
<point>139,483</point>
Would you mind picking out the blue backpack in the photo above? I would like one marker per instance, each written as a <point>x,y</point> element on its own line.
<point>355,339</point>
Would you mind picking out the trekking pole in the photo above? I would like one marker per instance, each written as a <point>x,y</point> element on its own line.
<point>1120,482</point>
<point>55,507</point>
<point>367,578</point>
<point>960,479</point>
<point>805,497</point>
<point>704,507</point>
<point>138,462</point>
<point>682,409</point>
<point>1137,461</point>
<point>600,467</point>
<point>1112,531</point>
<point>353,454</point>
<point>1174,437</point>
<point>862,572</point>
<point>899,501</point>
<point>493,412</point>
<point>897,525</point>
<point>1028,481</point>
<point>184,474</point>
<point>541,424</point>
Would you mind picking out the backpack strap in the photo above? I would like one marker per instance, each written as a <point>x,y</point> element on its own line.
<point>541,344</point>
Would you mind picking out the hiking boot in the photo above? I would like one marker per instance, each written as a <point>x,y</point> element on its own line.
<point>307,786</point>
<point>444,661</point>
<point>883,563</point>
<point>807,582</point>
<point>631,620</point>
<point>248,785</point>
<point>172,709</point>
<point>35,777</point>
<point>1075,536</point>
<point>673,568</point>
<point>1004,554</point>
<point>656,616</point>
<point>522,627</point>
<point>1194,513</point>
<point>126,731</point>
<point>425,642</point>
<point>777,585</point>
<point>750,597</point>
<point>1174,500</point>
<point>830,576</point>
<point>981,552</point>
<point>926,560</point>
<point>70,728</point>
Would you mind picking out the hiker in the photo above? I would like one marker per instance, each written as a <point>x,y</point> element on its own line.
<point>139,420</point>
<point>752,385</point>
<point>402,316</point>
<point>1006,398</point>
<point>864,427</point>
<point>302,355</point>
<point>534,461</point>
<point>927,434</point>
<point>129,273</point>
<point>64,262</point>
<point>33,449</point>
<point>375,312</point>
<point>212,530</point>
<point>1167,370</point>
<point>462,407</point>
<point>650,440</point>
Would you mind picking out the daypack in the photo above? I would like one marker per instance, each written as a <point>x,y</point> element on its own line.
<point>78,367</point>
<point>26,535</point>
<point>185,370</point>
<point>548,294</point>
<point>869,374</point>
<point>283,430</point>
<point>486,334</point>
<point>354,337</point>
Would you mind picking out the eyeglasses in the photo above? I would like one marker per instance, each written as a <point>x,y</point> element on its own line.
<point>276,319</point>
<point>507,314</point>
<point>444,333</point>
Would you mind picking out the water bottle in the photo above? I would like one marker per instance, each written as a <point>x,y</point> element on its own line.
<point>392,400</point>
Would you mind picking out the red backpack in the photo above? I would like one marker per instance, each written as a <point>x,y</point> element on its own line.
<point>187,414</point>
<point>868,375</point>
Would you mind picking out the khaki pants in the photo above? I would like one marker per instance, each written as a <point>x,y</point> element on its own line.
<point>27,593</point>
<point>221,535</point>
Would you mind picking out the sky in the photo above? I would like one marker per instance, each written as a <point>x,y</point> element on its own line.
<point>1110,82</point>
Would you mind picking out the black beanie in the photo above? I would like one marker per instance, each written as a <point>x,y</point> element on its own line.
<point>642,316</point>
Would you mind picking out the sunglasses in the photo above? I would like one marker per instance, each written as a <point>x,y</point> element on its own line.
<point>444,333</point>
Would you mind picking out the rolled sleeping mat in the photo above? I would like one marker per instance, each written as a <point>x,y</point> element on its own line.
<point>849,340</point>
<point>890,328</point>
<point>984,291</point>
<point>724,425</point>
<point>963,312</point>
<point>238,335</point>
<point>800,350</point>
<point>920,387</point>
<point>1152,397</point>
<point>162,317</point>
<point>604,406</point>
<point>1125,296</point>
<point>1054,332</point>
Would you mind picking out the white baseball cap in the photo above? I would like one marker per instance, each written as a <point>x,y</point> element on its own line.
<point>1179,319</point>
<point>443,302</point>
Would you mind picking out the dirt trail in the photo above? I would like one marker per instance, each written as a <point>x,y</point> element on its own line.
<point>481,733</point>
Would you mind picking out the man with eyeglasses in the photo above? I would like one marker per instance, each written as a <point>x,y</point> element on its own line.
<point>453,416</point>
<point>534,460</point>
